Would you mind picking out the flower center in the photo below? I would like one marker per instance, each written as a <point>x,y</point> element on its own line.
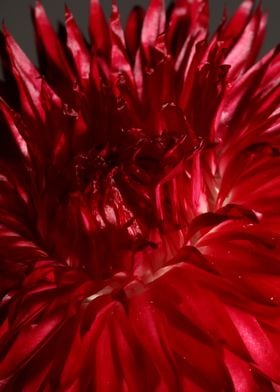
<point>116,201</point>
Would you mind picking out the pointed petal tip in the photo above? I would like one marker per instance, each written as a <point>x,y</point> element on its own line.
<point>5,30</point>
<point>67,12</point>
<point>38,9</point>
<point>9,40</point>
<point>115,13</point>
<point>37,4</point>
<point>7,36</point>
<point>94,2</point>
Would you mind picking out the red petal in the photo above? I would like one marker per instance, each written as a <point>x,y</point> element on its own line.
<point>133,31</point>
<point>153,25</point>
<point>28,79</point>
<point>119,59</point>
<point>263,353</point>
<point>77,46</point>
<point>49,45</point>
<point>244,52</point>
<point>9,117</point>
<point>240,372</point>
<point>98,29</point>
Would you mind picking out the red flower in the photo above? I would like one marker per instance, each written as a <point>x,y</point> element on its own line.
<point>139,205</point>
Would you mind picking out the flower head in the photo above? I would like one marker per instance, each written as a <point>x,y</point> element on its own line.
<point>139,205</point>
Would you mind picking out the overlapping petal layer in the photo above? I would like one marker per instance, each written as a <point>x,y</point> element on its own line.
<point>139,205</point>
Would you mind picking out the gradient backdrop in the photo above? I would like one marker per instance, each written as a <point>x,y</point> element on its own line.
<point>17,16</point>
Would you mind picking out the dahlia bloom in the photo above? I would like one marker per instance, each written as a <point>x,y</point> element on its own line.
<point>140,205</point>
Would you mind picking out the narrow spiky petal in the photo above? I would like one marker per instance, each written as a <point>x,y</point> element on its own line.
<point>139,204</point>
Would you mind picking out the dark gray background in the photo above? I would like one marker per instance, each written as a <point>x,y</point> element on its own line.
<point>16,14</point>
